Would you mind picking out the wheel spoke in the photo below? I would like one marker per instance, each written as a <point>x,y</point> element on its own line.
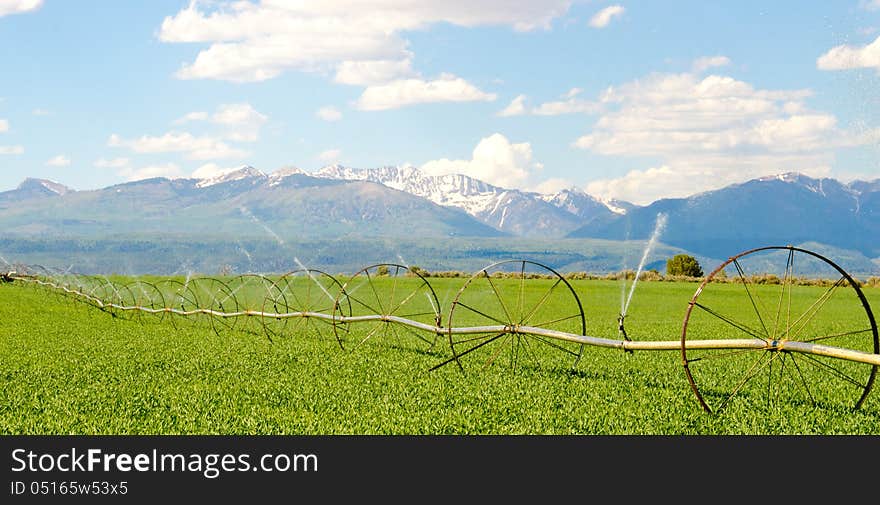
<point>498,295</point>
<point>821,365</point>
<point>456,357</point>
<point>495,355</point>
<point>752,371</point>
<point>845,334</point>
<point>745,282</point>
<point>730,321</point>
<point>813,310</point>
<point>481,313</point>
<point>541,301</point>
<point>786,281</point>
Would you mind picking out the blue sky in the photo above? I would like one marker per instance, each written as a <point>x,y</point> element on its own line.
<point>635,100</point>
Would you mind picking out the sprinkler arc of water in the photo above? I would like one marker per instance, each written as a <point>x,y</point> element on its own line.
<point>659,226</point>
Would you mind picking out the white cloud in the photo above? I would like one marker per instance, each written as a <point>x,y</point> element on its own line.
<point>58,161</point>
<point>400,93</point>
<point>11,150</point>
<point>18,6</point>
<point>552,186</point>
<point>845,57</point>
<point>192,116</point>
<point>195,148</point>
<point>871,5</point>
<point>241,120</point>
<point>603,18</point>
<point>700,65</point>
<point>494,160</point>
<point>114,163</point>
<point>570,105</point>
<point>707,132</point>
<point>4,125</point>
<point>258,41</point>
<point>209,170</point>
<point>366,73</point>
<point>329,113</point>
<point>330,156</point>
<point>517,107</point>
<point>238,114</point>
<point>168,170</point>
<point>40,112</point>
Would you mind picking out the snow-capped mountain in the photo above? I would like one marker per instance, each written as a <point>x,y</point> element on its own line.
<point>510,210</point>
<point>788,208</point>
<point>245,172</point>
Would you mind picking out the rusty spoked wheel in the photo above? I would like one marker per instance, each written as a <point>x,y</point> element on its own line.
<point>386,291</point>
<point>179,297</point>
<point>305,291</point>
<point>148,301</point>
<point>508,298</point>
<point>773,297</point>
<point>215,295</point>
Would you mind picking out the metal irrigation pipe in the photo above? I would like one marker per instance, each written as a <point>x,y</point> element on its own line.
<point>626,345</point>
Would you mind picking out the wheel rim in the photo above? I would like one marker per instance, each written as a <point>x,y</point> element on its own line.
<point>305,290</point>
<point>751,305</point>
<point>512,294</point>
<point>387,289</point>
<point>215,295</point>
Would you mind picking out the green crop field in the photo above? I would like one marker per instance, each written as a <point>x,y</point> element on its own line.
<point>69,368</point>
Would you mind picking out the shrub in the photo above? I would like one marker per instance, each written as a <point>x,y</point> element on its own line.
<point>685,265</point>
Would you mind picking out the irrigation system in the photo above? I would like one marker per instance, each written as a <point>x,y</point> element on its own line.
<point>756,328</point>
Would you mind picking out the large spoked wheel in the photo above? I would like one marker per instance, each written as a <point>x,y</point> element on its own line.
<point>387,291</point>
<point>250,292</point>
<point>180,302</point>
<point>767,299</point>
<point>506,299</point>
<point>305,292</point>
<point>147,300</point>
<point>216,296</point>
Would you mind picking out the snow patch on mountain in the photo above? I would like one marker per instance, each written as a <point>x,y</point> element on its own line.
<point>232,176</point>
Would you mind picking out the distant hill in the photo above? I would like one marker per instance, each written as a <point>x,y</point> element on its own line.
<point>779,210</point>
<point>244,203</point>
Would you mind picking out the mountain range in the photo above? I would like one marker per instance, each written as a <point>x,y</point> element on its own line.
<point>338,202</point>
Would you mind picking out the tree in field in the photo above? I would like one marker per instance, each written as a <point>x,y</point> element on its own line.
<point>683,264</point>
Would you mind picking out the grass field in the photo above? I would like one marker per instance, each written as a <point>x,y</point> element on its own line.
<point>69,368</point>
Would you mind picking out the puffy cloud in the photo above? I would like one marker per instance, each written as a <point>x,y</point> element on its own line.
<point>366,73</point>
<point>517,107</point>
<point>58,161</point>
<point>209,170</point>
<point>11,150</point>
<point>4,125</point>
<point>494,160</point>
<point>603,18</point>
<point>707,132</point>
<point>241,121</point>
<point>552,186</point>
<point>871,5</point>
<point>193,116</point>
<point>846,57</point>
<point>330,156</point>
<point>329,113</point>
<point>569,105</point>
<point>18,6</point>
<point>251,41</point>
<point>195,148</point>
<point>400,93</point>
<point>168,170</point>
<point>700,65</point>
